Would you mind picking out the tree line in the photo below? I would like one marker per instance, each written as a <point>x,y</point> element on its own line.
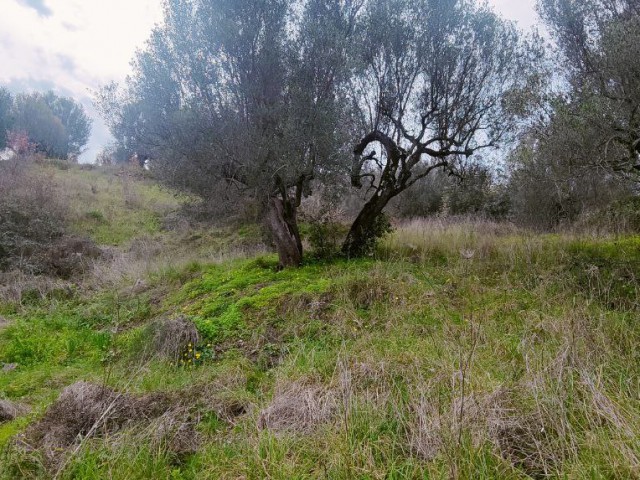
<point>55,126</point>
<point>273,98</point>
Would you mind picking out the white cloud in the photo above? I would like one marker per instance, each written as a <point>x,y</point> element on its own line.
<point>100,36</point>
<point>74,46</point>
<point>522,11</point>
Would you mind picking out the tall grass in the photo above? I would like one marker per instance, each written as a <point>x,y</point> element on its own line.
<point>463,349</point>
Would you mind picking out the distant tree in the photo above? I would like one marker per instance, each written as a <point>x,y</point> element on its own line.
<point>242,93</point>
<point>473,192</point>
<point>33,116</point>
<point>552,185</point>
<point>74,119</point>
<point>58,126</point>
<point>438,80</point>
<point>6,104</point>
<point>138,123</point>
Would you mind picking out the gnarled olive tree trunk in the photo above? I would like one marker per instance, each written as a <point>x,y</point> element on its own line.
<point>281,221</point>
<point>366,228</point>
<point>400,171</point>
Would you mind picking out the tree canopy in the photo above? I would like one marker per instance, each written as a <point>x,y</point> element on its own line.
<point>437,81</point>
<point>242,92</point>
<point>265,96</point>
<point>599,42</point>
<point>57,126</point>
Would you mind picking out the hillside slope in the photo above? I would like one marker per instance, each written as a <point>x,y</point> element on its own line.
<point>460,350</point>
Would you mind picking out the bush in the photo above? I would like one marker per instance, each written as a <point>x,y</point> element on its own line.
<point>32,225</point>
<point>30,217</point>
<point>378,230</point>
<point>70,256</point>
<point>325,221</point>
<point>620,217</point>
<point>326,237</point>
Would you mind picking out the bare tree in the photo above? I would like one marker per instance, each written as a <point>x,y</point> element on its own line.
<point>438,80</point>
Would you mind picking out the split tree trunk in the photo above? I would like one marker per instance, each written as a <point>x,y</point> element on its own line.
<point>282,223</point>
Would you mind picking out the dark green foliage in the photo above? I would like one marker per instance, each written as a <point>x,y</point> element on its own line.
<point>75,121</point>
<point>325,237</point>
<point>374,233</point>
<point>46,131</point>
<point>475,192</point>
<point>57,126</point>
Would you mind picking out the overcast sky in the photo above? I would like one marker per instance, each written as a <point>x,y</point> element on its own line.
<point>75,46</point>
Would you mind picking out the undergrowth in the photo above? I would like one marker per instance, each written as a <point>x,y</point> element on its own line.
<point>457,351</point>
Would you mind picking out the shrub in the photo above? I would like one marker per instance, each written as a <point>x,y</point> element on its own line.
<point>324,227</point>
<point>30,217</point>
<point>620,217</point>
<point>32,225</point>
<point>325,237</point>
<point>377,231</point>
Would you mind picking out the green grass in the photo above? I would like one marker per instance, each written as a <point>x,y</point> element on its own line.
<point>223,297</point>
<point>112,209</point>
<point>459,351</point>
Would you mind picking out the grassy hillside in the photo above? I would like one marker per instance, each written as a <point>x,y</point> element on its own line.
<point>460,350</point>
<point>112,206</point>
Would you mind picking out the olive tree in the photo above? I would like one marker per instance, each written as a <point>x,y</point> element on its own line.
<point>434,82</point>
<point>598,45</point>
<point>245,94</point>
<point>34,117</point>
